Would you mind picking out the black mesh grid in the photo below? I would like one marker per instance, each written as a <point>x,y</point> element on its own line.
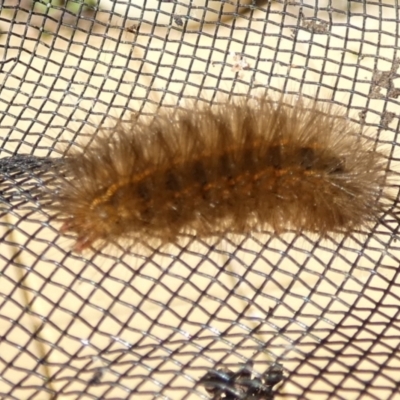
<point>237,313</point>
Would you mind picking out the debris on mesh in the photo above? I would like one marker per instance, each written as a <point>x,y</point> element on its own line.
<point>243,384</point>
<point>314,26</point>
<point>239,62</point>
<point>178,20</point>
<point>385,80</point>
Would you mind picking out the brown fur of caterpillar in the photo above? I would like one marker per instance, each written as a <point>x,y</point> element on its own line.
<point>245,166</point>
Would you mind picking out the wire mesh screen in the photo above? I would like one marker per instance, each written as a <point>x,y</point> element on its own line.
<point>262,316</point>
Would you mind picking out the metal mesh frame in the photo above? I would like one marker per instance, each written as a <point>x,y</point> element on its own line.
<point>120,324</point>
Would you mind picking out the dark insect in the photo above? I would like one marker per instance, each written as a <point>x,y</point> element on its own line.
<point>243,384</point>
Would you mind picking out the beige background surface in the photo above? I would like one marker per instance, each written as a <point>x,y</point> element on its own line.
<point>64,306</point>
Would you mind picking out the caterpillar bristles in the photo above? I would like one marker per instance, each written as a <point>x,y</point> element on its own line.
<point>244,166</point>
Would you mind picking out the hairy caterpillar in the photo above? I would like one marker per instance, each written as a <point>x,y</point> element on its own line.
<point>243,166</point>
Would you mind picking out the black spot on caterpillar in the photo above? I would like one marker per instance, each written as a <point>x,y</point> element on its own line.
<point>244,166</point>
